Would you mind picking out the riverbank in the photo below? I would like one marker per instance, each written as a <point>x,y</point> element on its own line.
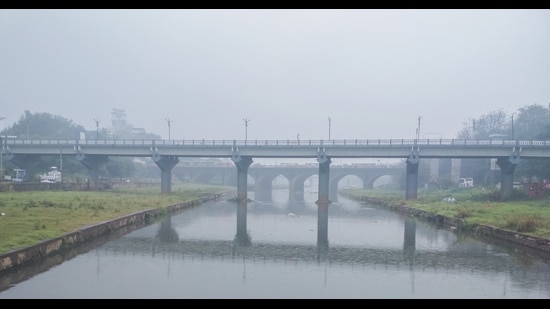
<point>96,218</point>
<point>34,225</point>
<point>466,217</point>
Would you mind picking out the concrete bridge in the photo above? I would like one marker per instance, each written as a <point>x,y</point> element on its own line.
<point>263,176</point>
<point>166,154</point>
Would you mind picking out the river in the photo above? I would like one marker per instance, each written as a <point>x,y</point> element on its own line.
<point>372,253</point>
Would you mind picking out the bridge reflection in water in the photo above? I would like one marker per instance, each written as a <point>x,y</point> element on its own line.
<point>167,242</point>
<point>201,248</point>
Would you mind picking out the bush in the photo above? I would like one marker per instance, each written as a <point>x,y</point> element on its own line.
<point>523,224</point>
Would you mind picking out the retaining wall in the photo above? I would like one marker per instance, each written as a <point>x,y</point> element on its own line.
<point>487,232</point>
<point>89,233</point>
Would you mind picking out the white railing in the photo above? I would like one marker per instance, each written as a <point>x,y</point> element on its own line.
<point>339,142</point>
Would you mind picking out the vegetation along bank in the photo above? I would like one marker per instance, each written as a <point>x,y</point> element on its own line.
<point>521,220</point>
<point>34,224</point>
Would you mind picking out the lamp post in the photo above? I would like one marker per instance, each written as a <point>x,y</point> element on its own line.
<point>418,129</point>
<point>329,128</point>
<point>1,151</point>
<point>169,125</point>
<point>246,121</point>
<point>513,133</point>
<point>96,128</point>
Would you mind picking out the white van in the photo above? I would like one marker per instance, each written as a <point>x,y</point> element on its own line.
<point>466,182</point>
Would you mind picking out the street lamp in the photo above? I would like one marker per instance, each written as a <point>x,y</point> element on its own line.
<point>329,128</point>
<point>169,124</point>
<point>246,121</point>
<point>2,151</point>
<point>418,129</point>
<point>513,133</point>
<point>96,128</point>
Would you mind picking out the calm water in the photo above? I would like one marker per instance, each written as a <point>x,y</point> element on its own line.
<point>372,253</point>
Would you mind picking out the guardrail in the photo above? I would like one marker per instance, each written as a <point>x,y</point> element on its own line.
<point>335,142</point>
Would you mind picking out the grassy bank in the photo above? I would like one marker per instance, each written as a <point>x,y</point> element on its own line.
<point>474,206</point>
<point>27,218</point>
<point>33,216</point>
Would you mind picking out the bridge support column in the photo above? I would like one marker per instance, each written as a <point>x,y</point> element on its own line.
<point>412,177</point>
<point>324,179</point>
<point>93,163</point>
<point>323,201</point>
<point>507,167</point>
<point>296,189</point>
<point>242,163</point>
<point>368,183</point>
<point>166,164</point>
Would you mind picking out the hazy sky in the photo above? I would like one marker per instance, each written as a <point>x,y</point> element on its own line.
<point>373,72</point>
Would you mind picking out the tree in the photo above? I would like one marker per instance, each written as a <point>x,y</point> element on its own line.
<point>493,123</point>
<point>539,168</point>
<point>119,168</point>
<point>44,126</point>
<point>530,122</point>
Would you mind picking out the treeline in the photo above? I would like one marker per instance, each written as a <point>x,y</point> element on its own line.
<point>47,126</point>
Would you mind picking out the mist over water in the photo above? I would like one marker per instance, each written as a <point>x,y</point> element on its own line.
<point>372,253</point>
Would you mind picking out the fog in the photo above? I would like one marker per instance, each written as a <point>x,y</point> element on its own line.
<point>274,74</point>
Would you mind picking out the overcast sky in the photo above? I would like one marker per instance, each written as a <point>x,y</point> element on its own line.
<point>372,72</point>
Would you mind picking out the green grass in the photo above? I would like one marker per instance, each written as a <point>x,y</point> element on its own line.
<point>475,206</point>
<point>33,216</point>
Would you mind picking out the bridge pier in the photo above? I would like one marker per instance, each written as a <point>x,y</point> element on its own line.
<point>324,179</point>
<point>296,189</point>
<point>93,163</point>
<point>242,163</point>
<point>412,177</point>
<point>507,167</point>
<point>166,164</point>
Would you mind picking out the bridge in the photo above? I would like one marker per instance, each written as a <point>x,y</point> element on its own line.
<point>263,176</point>
<point>166,154</point>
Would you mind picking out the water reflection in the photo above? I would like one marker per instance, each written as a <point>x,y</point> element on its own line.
<point>283,249</point>
<point>242,238</point>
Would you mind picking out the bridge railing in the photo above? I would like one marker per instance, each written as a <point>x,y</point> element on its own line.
<point>335,142</point>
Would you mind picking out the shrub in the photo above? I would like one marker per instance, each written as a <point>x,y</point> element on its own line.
<point>523,224</point>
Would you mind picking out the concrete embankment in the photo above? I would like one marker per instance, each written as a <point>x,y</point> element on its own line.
<point>538,244</point>
<point>116,227</point>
